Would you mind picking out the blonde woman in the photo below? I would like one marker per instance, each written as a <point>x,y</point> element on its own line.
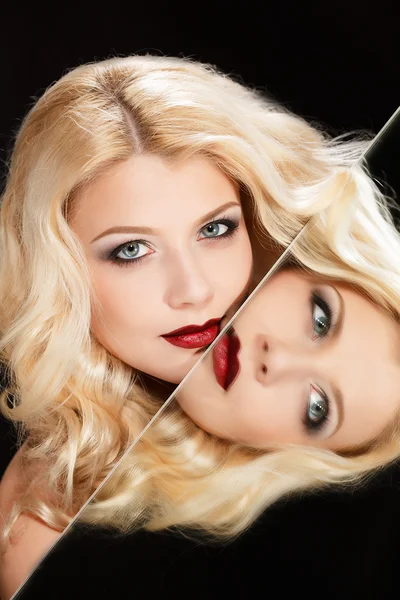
<point>99,139</point>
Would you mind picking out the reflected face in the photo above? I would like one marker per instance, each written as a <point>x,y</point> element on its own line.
<point>169,253</point>
<point>308,362</point>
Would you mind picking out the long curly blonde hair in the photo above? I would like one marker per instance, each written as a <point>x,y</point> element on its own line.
<point>77,407</point>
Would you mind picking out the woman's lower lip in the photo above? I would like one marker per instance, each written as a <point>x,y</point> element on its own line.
<point>194,340</point>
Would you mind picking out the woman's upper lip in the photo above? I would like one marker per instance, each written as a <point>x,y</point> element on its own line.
<point>192,328</point>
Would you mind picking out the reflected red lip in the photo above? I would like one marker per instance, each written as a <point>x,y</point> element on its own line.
<point>194,336</point>
<point>226,360</point>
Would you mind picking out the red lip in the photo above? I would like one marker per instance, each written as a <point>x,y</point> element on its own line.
<point>225,359</point>
<point>194,336</point>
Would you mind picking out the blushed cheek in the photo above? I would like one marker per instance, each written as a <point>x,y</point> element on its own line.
<point>111,319</point>
<point>122,299</point>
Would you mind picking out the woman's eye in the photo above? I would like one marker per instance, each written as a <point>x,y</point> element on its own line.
<point>322,317</point>
<point>217,229</point>
<point>317,410</point>
<point>130,252</point>
<point>214,230</point>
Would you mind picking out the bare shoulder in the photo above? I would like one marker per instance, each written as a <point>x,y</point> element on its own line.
<point>33,538</point>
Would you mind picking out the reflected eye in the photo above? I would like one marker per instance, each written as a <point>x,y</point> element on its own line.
<point>322,316</point>
<point>317,410</point>
<point>218,229</point>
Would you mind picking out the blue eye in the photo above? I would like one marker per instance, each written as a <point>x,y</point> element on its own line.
<point>321,315</point>
<point>214,229</point>
<point>317,411</point>
<point>218,229</point>
<point>132,250</point>
<point>130,253</point>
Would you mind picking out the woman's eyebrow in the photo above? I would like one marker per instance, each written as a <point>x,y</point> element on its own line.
<point>126,229</point>
<point>152,231</point>
<point>339,400</point>
<point>340,321</point>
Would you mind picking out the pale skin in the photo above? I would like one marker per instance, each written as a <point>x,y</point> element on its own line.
<point>189,233</point>
<point>305,377</point>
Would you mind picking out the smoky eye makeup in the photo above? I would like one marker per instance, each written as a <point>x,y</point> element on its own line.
<point>218,229</point>
<point>232,217</point>
<point>135,249</point>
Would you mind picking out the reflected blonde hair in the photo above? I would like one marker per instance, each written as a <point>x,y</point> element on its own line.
<point>77,406</point>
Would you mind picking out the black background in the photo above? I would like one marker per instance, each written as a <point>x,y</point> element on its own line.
<point>336,63</point>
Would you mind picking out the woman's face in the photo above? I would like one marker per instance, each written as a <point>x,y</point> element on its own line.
<point>307,362</point>
<point>168,249</point>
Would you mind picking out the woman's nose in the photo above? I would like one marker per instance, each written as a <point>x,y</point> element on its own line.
<point>187,284</point>
<point>279,359</point>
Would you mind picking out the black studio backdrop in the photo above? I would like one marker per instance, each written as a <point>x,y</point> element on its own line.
<point>335,63</point>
